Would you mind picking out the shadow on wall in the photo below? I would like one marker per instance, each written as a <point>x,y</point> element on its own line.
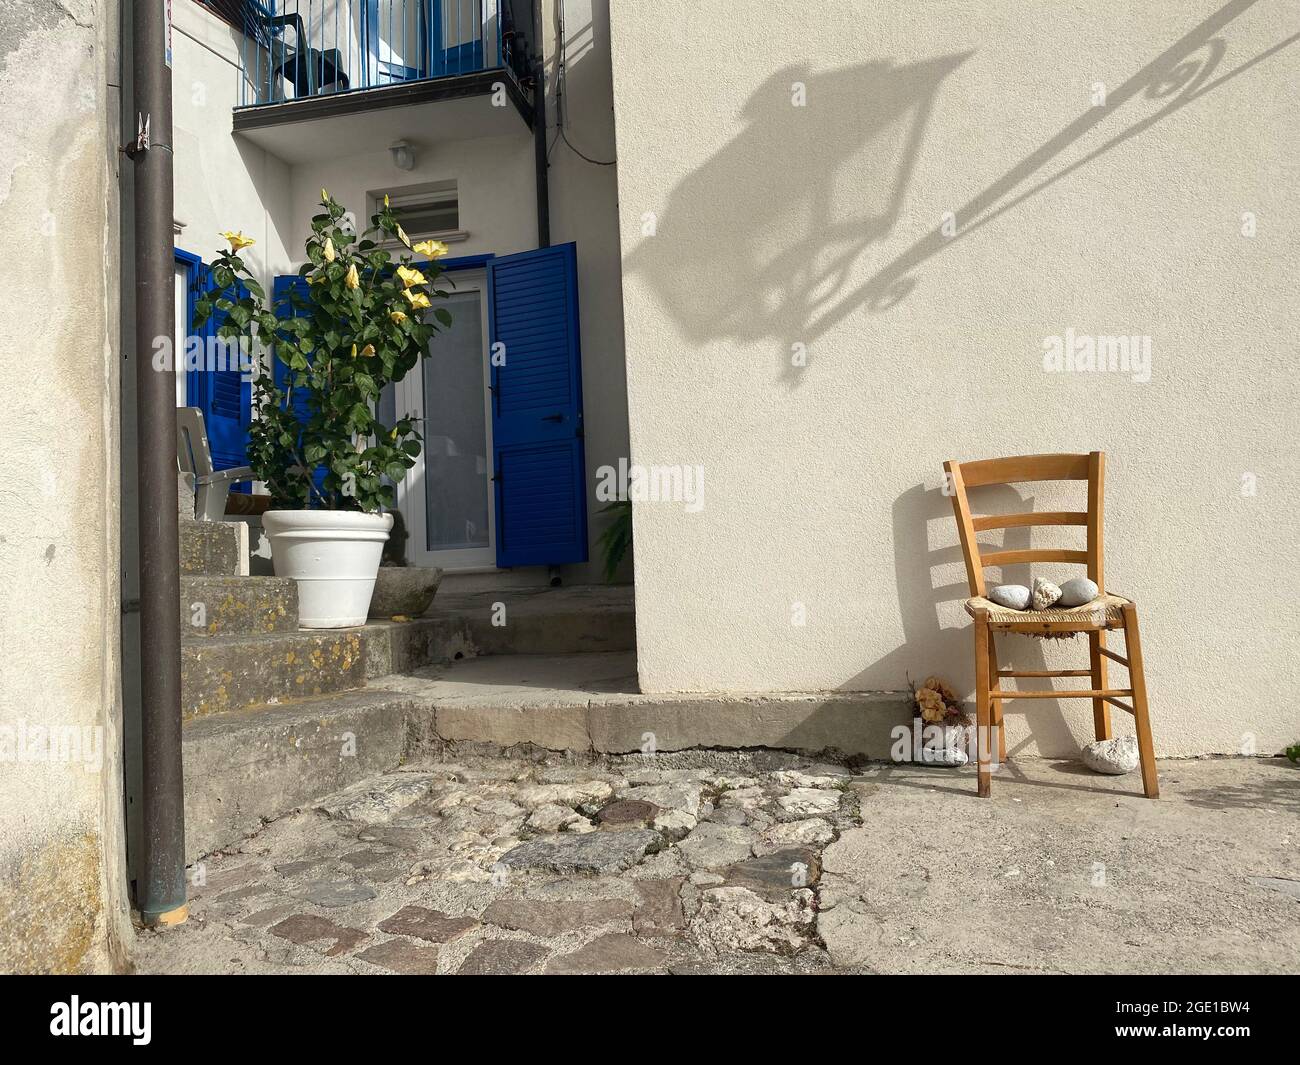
<point>794,234</point>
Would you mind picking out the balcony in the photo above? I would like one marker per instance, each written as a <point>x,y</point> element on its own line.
<point>320,74</point>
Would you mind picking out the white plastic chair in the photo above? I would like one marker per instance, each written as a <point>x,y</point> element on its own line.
<point>194,457</point>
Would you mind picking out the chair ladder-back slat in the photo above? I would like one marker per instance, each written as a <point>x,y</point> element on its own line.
<point>1022,468</point>
<point>1043,517</point>
<point>1031,554</point>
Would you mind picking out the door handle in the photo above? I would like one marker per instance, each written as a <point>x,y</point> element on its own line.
<point>553,418</point>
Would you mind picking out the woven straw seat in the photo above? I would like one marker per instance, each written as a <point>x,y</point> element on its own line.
<point>1104,612</point>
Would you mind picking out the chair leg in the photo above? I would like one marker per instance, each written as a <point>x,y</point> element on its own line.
<point>1100,708</point>
<point>982,714</point>
<point>1138,682</point>
<point>996,705</point>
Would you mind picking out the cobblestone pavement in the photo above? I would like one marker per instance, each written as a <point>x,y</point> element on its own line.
<point>756,862</point>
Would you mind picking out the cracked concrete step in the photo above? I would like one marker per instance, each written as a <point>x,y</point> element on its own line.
<point>213,548</point>
<point>592,702</point>
<point>244,768</point>
<point>221,673</point>
<point>238,606</point>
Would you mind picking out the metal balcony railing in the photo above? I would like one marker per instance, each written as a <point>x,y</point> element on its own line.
<point>299,48</point>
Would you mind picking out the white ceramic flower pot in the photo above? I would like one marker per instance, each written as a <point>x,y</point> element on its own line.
<point>334,557</point>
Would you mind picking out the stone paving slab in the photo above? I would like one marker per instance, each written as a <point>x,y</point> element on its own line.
<point>1061,871</point>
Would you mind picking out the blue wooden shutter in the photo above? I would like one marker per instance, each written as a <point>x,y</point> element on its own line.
<point>224,396</point>
<point>541,498</point>
<point>280,291</point>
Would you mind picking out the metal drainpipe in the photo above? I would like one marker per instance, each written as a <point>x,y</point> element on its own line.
<point>539,131</point>
<point>160,887</point>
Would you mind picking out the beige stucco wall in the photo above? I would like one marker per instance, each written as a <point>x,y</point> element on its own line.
<point>821,225</point>
<point>62,890</point>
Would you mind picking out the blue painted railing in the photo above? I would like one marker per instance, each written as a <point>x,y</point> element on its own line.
<point>299,48</point>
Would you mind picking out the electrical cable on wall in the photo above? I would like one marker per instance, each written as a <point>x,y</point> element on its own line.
<point>561,107</point>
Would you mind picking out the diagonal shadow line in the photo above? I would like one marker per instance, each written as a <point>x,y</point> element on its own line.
<point>1132,131</point>
<point>890,279</point>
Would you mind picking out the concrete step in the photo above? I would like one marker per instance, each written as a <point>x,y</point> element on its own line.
<point>238,606</point>
<point>245,768</point>
<point>213,548</point>
<point>222,673</point>
<point>535,621</point>
<point>579,619</point>
<point>592,703</point>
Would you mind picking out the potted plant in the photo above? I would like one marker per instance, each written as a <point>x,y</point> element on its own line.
<point>328,463</point>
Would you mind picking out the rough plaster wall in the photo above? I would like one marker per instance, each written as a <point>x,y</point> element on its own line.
<point>62,891</point>
<point>820,225</point>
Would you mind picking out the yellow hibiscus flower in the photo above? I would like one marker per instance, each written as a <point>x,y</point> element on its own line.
<point>330,253</point>
<point>411,277</point>
<point>398,317</point>
<point>417,300</point>
<point>352,280</point>
<point>368,351</point>
<point>431,249</point>
<point>238,242</point>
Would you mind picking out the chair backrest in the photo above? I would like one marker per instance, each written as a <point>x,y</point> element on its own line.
<point>966,475</point>
<point>192,452</point>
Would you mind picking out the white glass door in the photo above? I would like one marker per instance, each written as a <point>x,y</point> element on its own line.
<point>447,498</point>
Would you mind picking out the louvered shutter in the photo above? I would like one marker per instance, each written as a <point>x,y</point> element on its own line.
<point>541,500</point>
<point>224,396</point>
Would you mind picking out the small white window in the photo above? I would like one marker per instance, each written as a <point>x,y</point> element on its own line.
<point>427,211</point>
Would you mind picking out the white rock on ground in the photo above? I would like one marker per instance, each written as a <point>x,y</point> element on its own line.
<point>1114,757</point>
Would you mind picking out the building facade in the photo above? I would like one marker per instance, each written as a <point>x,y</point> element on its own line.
<point>766,268</point>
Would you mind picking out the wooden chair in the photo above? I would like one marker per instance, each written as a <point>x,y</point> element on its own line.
<point>1103,614</point>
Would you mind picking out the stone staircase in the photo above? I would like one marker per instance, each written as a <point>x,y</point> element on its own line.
<point>275,717</point>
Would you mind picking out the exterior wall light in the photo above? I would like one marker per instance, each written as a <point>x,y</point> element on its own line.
<point>403,155</point>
